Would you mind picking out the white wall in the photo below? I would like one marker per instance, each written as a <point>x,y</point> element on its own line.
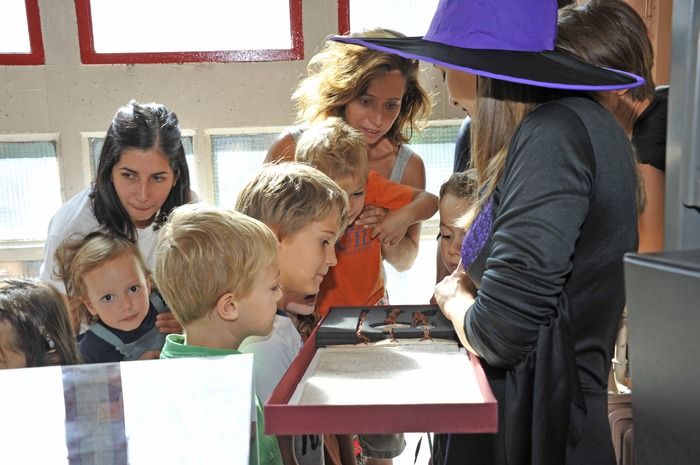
<point>66,97</point>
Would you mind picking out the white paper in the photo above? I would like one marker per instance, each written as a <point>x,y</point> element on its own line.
<point>188,411</point>
<point>428,372</point>
<point>32,417</point>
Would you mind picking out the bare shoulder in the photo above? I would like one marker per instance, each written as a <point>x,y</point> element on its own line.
<point>282,149</point>
<point>414,175</point>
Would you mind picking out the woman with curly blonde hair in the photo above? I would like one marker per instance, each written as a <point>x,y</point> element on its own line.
<point>379,95</point>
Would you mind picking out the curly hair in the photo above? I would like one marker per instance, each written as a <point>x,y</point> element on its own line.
<point>341,73</point>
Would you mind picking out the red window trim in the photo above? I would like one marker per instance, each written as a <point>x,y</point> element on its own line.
<point>36,43</point>
<point>343,17</point>
<point>89,56</point>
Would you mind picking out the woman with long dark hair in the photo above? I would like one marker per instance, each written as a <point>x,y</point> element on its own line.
<point>141,177</point>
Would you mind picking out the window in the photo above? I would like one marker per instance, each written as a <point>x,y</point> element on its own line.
<point>20,33</point>
<point>435,145</point>
<point>236,158</point>
<point>30,193</point>
<point>95,140</point>
<point>410,17</point>
<point>30,190</point>
<point>189,31</point>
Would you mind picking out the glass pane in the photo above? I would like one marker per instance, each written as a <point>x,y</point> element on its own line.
<point>28,269</point>
<point>414,286</point>
<point>14,30</point>
<point>436,146</point>
<point>237,158</point>
<point>411,17</point>
<point>185,26</point>
<point>96,143</point>
<point>30,191</point>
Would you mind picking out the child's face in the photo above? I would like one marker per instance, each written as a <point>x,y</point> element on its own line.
<point>257,310</point>
<point>451,237</point>
<point>356,190</point>
<point>117,292</point>
<point>306,256</point>
<point>9,356</point>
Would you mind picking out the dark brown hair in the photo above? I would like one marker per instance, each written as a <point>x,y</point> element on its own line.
<point>611,34</point>
<point>39,320</point>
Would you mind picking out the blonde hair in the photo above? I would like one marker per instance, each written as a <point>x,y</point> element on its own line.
<point>459,184</point>
<point>335,148</point>
<point>500,108</point>
<point>77,256</point>
<point>341,73</point>
<point>289,196</point>
<point>206,251</point>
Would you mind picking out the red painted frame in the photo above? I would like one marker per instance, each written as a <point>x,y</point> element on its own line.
<point>89,56</point>
<point>343,17</point>
<point>36,56</point>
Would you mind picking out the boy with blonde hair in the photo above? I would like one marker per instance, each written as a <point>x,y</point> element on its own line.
<point>218,271</point>
<point>307,211</point>
<point>340,151</point>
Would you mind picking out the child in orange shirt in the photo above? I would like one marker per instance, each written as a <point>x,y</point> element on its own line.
<point>339,151</point>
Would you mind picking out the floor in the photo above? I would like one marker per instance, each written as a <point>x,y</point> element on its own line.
<point>409,454</point>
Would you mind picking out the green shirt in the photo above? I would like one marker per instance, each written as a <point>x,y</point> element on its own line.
<point>267,448</point>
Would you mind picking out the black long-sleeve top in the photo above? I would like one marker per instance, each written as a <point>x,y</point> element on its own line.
<point>550,278</point>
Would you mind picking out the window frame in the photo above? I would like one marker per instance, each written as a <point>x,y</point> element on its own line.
<point>89,56</point>
<point>343,17</point>
<point>36,42</point>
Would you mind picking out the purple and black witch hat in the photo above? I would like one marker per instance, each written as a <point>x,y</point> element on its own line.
<point>511,40</point>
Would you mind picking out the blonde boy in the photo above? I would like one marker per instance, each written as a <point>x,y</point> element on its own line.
<point>306,210</point>
<point>218,271</point>
<point>338,150</point>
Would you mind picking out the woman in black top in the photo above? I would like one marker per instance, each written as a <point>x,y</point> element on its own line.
<point>555,210</point>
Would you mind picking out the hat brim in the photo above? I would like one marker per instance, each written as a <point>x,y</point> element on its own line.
<point>542,69</point>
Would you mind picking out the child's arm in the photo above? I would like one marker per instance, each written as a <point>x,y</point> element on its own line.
<point>392,230</point>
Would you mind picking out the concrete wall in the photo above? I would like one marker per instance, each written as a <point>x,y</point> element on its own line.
<point>66,97</point>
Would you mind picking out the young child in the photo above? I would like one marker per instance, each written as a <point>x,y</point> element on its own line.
<point>306,210</point>
<point>454,203</point>
<point>107,275</point>
<point>339,151</point>
<point>34,326</point>
<point>218,271</point>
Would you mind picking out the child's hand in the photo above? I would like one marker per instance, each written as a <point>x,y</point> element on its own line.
<point>371,216</point>
<point>393,228</point>
<point>167,323</point>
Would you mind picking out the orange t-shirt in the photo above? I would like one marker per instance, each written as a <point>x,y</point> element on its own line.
<point>357,278</point>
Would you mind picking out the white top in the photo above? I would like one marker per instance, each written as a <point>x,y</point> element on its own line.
<point>76,218</point>
<point>272,356</point>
